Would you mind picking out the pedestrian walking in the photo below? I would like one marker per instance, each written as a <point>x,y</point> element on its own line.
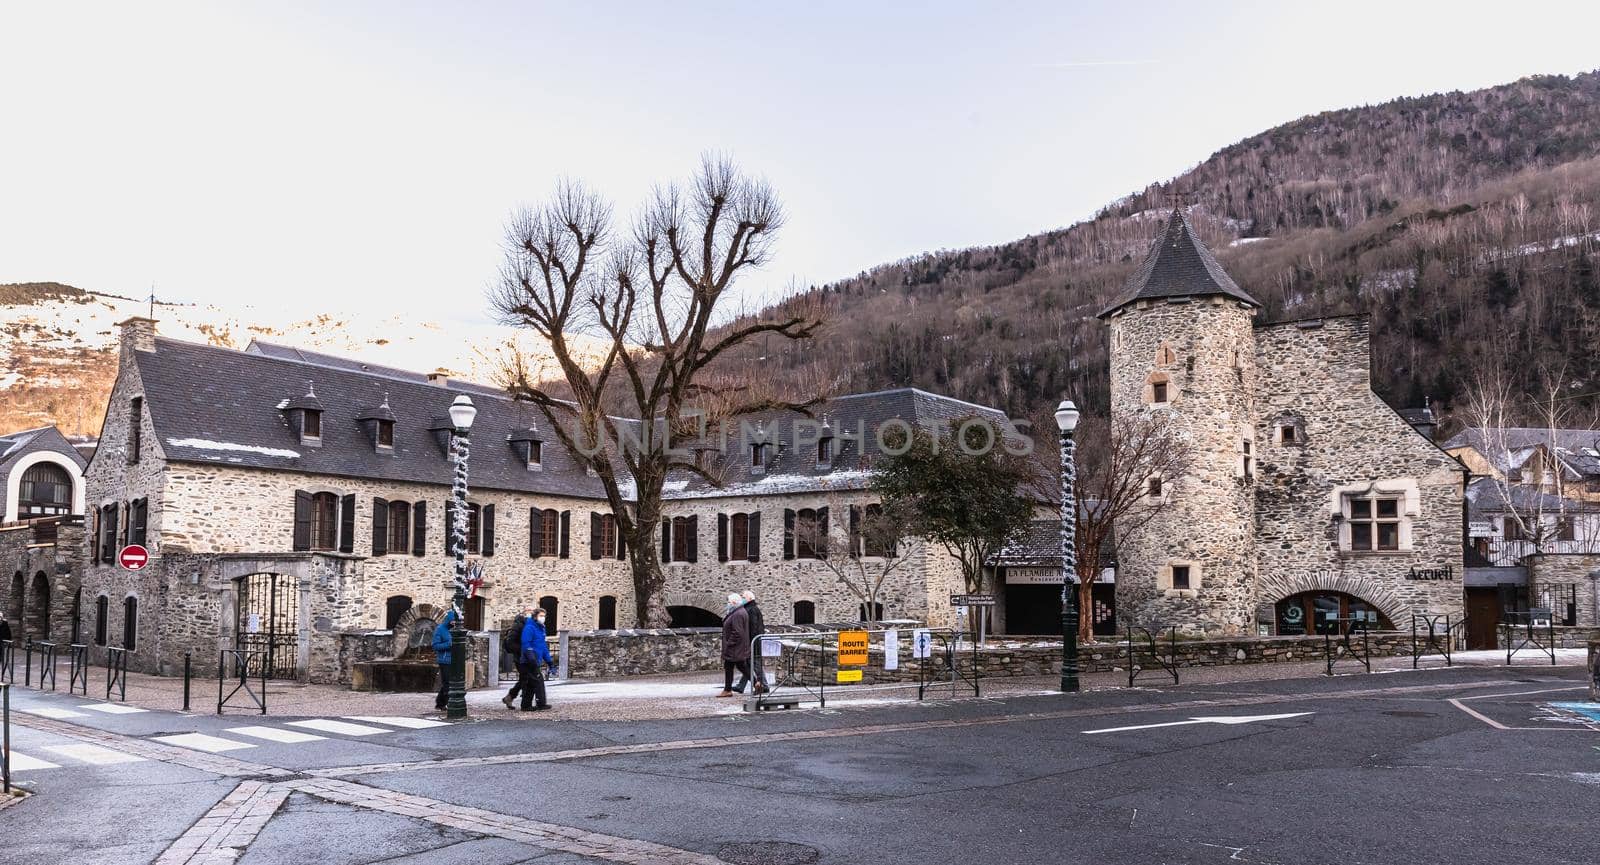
<point>5,628</point>
<point>511,645</point>
<point>735,646</point>
<point>535,658</point>
<point>758,626</point>
<point>443,644</point>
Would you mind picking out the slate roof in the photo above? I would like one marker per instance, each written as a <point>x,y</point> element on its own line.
<point>14,446</point>
<point>1578,448</point>
<point>1178,265</point>
<point>221,406</point>
<point>1039,547</point>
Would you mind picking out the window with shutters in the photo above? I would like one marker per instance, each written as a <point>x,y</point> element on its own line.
<point>399,527</point>
<point>544,527</point>
<point>474,528</point>
<point>682,531</point>
<point>877,538</point>
<point>324,521</point>
<point>101,613</point>
<point>135,428</point>
<point>608,535</point>
<point>130,623</point>
<point>45,490</point>
<point>810,533</point>
<point>138,521</point>
<point>739,537</point>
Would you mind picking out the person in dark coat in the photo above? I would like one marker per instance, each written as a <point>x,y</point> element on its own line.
<point>442,645</point>
<point>735,646</point>
<point>5,628</point>
<point>513,648</point>
<point>758,626</point>
<point>535,659</point>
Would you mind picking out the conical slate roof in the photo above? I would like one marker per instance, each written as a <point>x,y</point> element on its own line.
<point>1178,265</point>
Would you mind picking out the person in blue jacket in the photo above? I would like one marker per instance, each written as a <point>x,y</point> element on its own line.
<point>442,644</point>
<point>535,658</point>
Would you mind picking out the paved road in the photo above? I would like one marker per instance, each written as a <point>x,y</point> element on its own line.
<point>1448,766</point>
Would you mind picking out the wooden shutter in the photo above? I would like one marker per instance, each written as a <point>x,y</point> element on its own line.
<point>347,524</point>
<point>419,528</point>
<point>566,526</point>
<point>822,533</point>
<point>666,540</point>
<point>788,533</point>
<point>855,531</point>
<point>535,529</point>
<point>380,526</point>
<point>622,542</point>
<point>302,520</point>
<point>114,510</point>
<point>594,535</point>
<point>753,533</point>
<point>722,537</point>
<point>487,524</point>
<point>94,539</point>
<point>138,518</point>
<point>694,538</point>
<point>127,523</point>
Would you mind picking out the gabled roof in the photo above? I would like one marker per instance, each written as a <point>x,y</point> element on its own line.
<point>14,446</point>
<point>1178,265</point>
<point>1577,449</point>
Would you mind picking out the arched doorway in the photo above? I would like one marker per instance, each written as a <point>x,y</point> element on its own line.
<point>693,617</point>
<point>550,606</point>
<point>1319,612</point>
<point>39,607</point>
<point>395,607</point>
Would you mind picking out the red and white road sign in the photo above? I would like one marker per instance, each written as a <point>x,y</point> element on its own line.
<point>133,557</point>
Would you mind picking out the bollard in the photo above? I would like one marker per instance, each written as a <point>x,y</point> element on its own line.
<point>5,722</point>
<point>27,665</point>
<point>186,672</point>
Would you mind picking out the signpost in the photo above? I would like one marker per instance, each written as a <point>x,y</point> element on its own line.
<point>975,601</point>
<point>921,643</point>
<point>133,557</point>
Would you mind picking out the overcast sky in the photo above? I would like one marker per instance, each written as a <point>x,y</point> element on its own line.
<point>351,155</point>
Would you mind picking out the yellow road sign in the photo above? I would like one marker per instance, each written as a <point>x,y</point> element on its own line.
<point>852,648</point>
<point>849,676</point>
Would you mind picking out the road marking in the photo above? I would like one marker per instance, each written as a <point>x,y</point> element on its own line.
<point>94,755</point>
<point>1230,720</point>
<point>113,708</point>
<point>202,742</point>
<point>409,723</point>
<point>341,727</point>
<point>52,712</point>
<point>273,734</point>
<point>24,763</point>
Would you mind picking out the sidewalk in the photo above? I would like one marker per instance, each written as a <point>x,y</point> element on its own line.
<point>692,695</point>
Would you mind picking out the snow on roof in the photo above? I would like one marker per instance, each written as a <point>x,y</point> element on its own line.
<point>207,445</point>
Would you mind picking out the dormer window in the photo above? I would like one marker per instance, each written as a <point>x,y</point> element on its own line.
<point>379,426</point>
<point>760,453</point>
<point>825,451</point>
<point>385,433</point>
<point>312,428</point>
<point>305,416</point>
<point>529,447</point>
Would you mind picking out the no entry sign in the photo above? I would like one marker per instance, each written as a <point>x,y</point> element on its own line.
<point>133,557</point>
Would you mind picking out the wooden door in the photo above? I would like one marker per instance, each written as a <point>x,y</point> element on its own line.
<point>1483,618</point>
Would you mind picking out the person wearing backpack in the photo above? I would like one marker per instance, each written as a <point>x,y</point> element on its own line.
<point>511,644</point>
<point>535,657</point>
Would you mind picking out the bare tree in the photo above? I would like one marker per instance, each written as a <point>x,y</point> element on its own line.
<point>1127,467</point>
<point>655,298</point>
<point>874,548</point>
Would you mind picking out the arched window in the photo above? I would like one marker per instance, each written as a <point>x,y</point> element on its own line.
<point>608,613</point>
<point>100,614</point>
<point>693,617</point>
<point>805,612</point>
<point>130,623</point>
<point>549,603</point>
<point>46,490</point>
<point>395,607</point>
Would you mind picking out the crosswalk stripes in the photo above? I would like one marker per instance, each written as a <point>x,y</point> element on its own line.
<point>113,708</point>
<point>343,728</point>
<point>274,734</point>
<point>51,712</point>
<point>408,723</point>
<point>94,755</point>
<point>24,763</point>
<point>202,742</point>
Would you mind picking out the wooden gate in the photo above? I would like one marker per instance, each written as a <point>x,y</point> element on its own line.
<point>268,621</point>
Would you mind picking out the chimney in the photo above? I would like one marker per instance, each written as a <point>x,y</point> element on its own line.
<point>439,377</point>
<point>138,334</point>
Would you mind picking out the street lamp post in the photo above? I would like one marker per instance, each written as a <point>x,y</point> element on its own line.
<point>1067,421</point>
<point>462,413</point>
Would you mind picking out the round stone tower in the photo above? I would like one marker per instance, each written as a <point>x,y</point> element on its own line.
<point>1183,353</point>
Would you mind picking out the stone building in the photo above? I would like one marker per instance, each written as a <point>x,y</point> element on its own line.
<point>1308,497</point>
<point>296,503</point>
<point>42,501</point>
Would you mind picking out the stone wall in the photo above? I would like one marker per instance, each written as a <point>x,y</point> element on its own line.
<point>1207,522</point>
<point>1315,376</point>
<point>614,654</point>
<point>1580,569</point>
<point>23,560</point>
